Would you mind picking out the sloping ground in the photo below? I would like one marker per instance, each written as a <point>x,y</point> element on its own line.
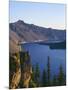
<point>21,31</point>
<point>13,42</point>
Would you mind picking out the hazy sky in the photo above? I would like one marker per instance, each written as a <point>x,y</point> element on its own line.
<point>42,14</point>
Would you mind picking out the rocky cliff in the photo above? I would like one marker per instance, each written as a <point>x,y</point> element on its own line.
<point>20,70</point>
<point>21,31</point>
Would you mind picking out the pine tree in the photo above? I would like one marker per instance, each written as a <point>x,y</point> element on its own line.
<point>32,84</point>
<point>48,71</point>
<point>37,75</point>
<point>54,80</point>
<point>33,74</point>
<point>61,76</point>
<point>32,81</point>
<point>44,78</point>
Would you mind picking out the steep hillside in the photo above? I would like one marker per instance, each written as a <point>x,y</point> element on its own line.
<point>21,31</point>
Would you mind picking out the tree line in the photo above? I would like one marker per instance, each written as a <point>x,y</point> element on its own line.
<point>38,79</point>
<point>44,80</point>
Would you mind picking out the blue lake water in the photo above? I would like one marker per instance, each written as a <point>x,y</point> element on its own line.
<point>39,54</point>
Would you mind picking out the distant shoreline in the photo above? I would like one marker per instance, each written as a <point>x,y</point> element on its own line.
<point>55,45</point>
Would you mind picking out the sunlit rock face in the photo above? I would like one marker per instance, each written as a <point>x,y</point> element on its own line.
<point>26,69</point>
<point>14,72</point>
<point>20,70</point>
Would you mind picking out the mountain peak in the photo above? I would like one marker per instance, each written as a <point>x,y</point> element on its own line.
<point>20,21</point>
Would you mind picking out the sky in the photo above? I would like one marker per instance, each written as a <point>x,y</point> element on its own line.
<point>49,15</point>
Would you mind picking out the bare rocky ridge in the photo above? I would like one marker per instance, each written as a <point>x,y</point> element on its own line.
<point>21,31</point>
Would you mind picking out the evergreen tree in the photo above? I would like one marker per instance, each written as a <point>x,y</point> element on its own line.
<point>61,76</point>
<point>44,78</point>
<point>33,74</point>
<point>48,71</point>
<point>37,74</point>
<point>54,80</point>
<point>33,82</point>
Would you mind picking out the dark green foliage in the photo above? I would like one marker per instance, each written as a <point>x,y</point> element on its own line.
<point>37,75</point>
<point>32,84</point>
<point>33,81</point>
<point>61,76</point>
<point>33,74</point>
<point>48,70</point>
<point>37,71</point>
<point>44,78</point>
<point>54,81</point>
<point>36,79</point>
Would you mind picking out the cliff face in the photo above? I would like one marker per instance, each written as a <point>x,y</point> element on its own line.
<point>14,72</point>
<point>21,31</point>
<point>26,69</point>
<point>20,70</point>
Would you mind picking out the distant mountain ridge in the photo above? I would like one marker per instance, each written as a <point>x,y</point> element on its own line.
<point>21,31</point>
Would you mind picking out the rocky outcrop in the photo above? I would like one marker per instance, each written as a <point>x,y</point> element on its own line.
<point>26,69</point>
<point>15,72</point>
<point>20,70</point>
<point>21,31</point>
